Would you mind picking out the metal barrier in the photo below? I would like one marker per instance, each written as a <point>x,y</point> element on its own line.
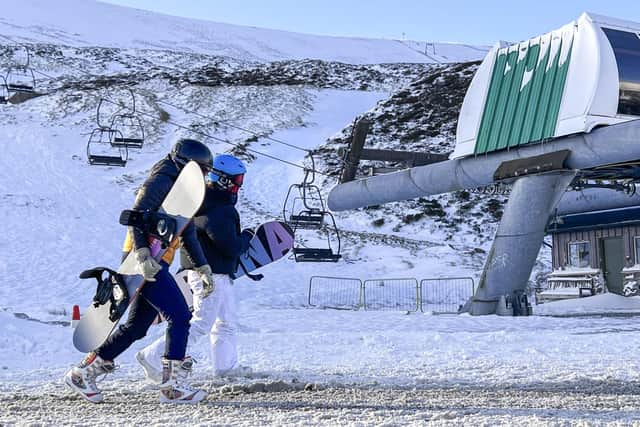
<point>335,292</point>
<point>391,294</point>
<point>436,295</point>
<point>446,294</point>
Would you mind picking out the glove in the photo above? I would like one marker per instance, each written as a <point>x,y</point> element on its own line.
<point>148,266</point>
<point>208,285</point>
<point>248,232</point>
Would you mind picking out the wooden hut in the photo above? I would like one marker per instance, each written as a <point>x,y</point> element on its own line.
<point>595,252</point>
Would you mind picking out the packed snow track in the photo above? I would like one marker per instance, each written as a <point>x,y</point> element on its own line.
<point>591,403</point>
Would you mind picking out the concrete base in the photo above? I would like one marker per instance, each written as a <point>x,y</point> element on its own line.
<point>501,307</point>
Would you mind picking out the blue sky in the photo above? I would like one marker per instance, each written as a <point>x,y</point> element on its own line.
<point>477,22</point>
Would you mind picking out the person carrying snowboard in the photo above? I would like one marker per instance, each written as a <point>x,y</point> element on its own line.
<point>218,229</point>
<point>160,294</point>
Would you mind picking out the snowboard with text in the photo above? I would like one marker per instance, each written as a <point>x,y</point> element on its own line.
<point>117,291</point>
<point>272,241</point>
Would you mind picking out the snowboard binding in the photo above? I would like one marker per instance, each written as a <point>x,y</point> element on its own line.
<point>111,289</point>
<point>158,225</point>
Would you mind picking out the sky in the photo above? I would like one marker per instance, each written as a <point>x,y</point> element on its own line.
<point>467,21</point>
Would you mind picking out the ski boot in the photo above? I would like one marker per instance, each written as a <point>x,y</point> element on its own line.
<point>82,378</point>
<point>152,374</point>
<point>174,387</point>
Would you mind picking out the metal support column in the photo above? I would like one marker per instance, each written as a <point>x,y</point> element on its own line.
<point>518,239</point>
<point>361,128</point>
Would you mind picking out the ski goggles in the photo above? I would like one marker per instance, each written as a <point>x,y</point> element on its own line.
<point>231,183</point>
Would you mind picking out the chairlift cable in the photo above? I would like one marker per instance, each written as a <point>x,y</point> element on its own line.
<point>215,138</point>
<point>225,122</point>
<point>178,125</point>
<point>308,254</point>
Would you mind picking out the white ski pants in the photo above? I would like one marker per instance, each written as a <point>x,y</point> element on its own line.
<point>214,316</point>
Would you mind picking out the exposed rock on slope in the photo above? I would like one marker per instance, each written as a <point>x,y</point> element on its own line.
<point>422,117</point>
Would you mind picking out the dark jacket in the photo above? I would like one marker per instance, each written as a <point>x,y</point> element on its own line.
<point>218,230</point>
<point>150,197</point>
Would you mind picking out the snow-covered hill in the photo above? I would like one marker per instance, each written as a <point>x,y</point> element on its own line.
<point>422,117</point>
<point>91,23</point>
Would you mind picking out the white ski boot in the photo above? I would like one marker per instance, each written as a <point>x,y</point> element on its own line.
<point>174,387</point>
<point>150,372</point>
<point>82,378</point>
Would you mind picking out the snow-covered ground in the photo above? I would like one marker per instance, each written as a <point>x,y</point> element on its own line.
<point>304,366</point>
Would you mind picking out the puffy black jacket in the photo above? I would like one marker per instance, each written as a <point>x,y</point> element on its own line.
<point>150,197</point>
<point>218,229</point>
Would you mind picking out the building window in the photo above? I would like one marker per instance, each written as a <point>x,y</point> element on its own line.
<point>580,254</point>
<point>637,245</point>
<point>626,48</point>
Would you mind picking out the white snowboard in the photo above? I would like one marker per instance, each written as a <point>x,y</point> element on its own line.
<point>182,202</point>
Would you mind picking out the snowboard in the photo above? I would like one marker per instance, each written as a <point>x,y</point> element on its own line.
<point>102,316</point>
<point>272,241</point>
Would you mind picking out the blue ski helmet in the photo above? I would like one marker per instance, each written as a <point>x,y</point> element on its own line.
<point>227,173</point>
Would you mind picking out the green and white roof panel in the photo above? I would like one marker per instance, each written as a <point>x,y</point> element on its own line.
<point>585,74</point>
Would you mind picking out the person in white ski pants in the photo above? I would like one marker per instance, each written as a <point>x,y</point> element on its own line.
<point>213,317</point>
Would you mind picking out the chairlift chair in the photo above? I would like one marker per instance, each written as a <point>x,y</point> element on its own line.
<point>20,77</point>
<point>310,215</point>
<point>130,132</point>
<point>329,253</point>
<point>101,151</point>
<point>304,211</point>
<point>20,80</point>
<point>310,219</point>
<point>4,92</point>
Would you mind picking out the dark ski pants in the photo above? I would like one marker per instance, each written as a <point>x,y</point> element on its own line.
<point>162,296</point>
